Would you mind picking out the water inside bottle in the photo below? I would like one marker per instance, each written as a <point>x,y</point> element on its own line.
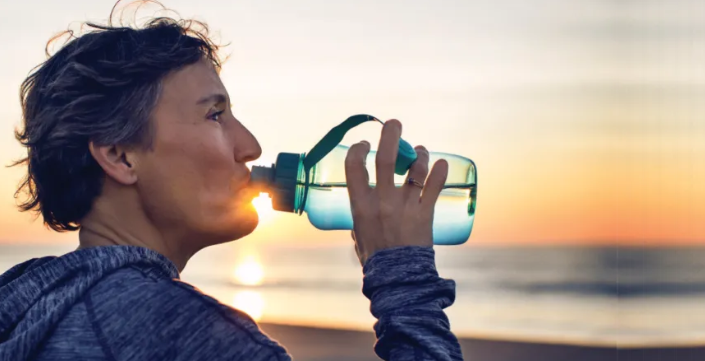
<point>328,208</point>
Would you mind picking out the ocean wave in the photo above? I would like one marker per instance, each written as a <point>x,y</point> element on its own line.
<point>571,287</point>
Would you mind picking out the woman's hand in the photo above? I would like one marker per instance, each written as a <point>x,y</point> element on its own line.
<point>387,216</point>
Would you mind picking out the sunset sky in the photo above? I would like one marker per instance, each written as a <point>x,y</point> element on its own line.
<point>585,118</point>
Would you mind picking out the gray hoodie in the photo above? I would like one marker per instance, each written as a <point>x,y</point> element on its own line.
<point>127,303</point>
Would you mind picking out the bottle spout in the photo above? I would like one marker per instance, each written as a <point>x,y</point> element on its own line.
<point>279,181</point>
<point>262,177</point>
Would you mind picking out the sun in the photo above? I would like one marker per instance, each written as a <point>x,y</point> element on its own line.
<point>249,272</point>
<point>263,205</point>
<point>250,302</point>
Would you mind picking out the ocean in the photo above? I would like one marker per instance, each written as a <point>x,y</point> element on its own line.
<point>610,296</point>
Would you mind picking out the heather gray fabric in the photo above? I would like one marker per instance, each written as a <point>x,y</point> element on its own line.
<point>123,303</point>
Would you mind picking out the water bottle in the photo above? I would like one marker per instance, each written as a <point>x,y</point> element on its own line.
<point>315,183</point>
<point>321,192</point>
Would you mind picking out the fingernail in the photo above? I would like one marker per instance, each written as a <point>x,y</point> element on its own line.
<point>391,121</point>
<point>365,143</point>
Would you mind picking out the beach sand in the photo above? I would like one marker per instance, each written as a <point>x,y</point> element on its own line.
<point>319,344</point>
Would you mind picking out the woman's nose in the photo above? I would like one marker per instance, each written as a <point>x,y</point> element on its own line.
<point>247,147</point>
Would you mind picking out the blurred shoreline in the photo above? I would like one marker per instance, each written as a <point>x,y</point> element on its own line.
<point>595,297</point>
<point>322,344</point>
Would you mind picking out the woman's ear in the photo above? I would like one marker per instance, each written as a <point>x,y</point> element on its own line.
<point>115,162</point>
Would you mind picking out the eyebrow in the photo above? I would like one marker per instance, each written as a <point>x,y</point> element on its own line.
<point>213,98</point>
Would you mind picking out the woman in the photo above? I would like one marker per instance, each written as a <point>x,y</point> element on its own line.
<point>131,142</point>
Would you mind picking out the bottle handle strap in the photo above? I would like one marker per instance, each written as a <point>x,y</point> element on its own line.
<point>405,157</point>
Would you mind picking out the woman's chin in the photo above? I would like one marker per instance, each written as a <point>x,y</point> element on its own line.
<point>249,223</point>
<point>244,222</point>
<point>235,225</point>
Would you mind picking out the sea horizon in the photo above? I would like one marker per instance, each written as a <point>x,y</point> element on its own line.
<point>579,295</point>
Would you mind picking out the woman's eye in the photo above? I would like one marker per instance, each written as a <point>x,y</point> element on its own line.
<point>215,116</point>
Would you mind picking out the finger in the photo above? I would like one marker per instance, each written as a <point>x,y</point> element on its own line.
<point>434,184</point>
<point>357,249</point>
<point>352,236</point>
<point>418,172</point>
<point>356,177</point>
<point>387,154</point>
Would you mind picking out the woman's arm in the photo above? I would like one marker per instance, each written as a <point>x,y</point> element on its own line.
<point>408,299</point>
<point>393,233</point>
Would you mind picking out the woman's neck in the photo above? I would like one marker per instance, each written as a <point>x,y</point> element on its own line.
<point>119,219</point>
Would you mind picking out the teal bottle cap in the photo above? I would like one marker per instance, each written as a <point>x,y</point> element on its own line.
<point>405,157</point>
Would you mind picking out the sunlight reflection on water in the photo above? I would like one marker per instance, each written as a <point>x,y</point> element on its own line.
<point>250,302</point>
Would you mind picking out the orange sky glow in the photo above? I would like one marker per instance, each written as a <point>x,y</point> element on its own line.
<point>576,142</point>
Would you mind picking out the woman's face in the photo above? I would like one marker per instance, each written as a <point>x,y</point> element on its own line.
<point>193,181</point>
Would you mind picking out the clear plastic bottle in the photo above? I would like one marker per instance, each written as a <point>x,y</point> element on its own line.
<point>323,196</point>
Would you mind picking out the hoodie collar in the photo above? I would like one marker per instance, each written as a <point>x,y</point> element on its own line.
<point>23,285</point>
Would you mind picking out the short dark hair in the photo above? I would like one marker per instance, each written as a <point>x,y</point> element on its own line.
<point>99,87</point>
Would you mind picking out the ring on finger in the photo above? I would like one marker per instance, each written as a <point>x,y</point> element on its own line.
<point>414,182</point>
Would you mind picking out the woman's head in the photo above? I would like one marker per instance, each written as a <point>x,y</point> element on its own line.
<point>142,113</point>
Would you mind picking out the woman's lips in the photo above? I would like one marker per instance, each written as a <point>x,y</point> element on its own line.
<point>245,189</point>
<point>249,193</point>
